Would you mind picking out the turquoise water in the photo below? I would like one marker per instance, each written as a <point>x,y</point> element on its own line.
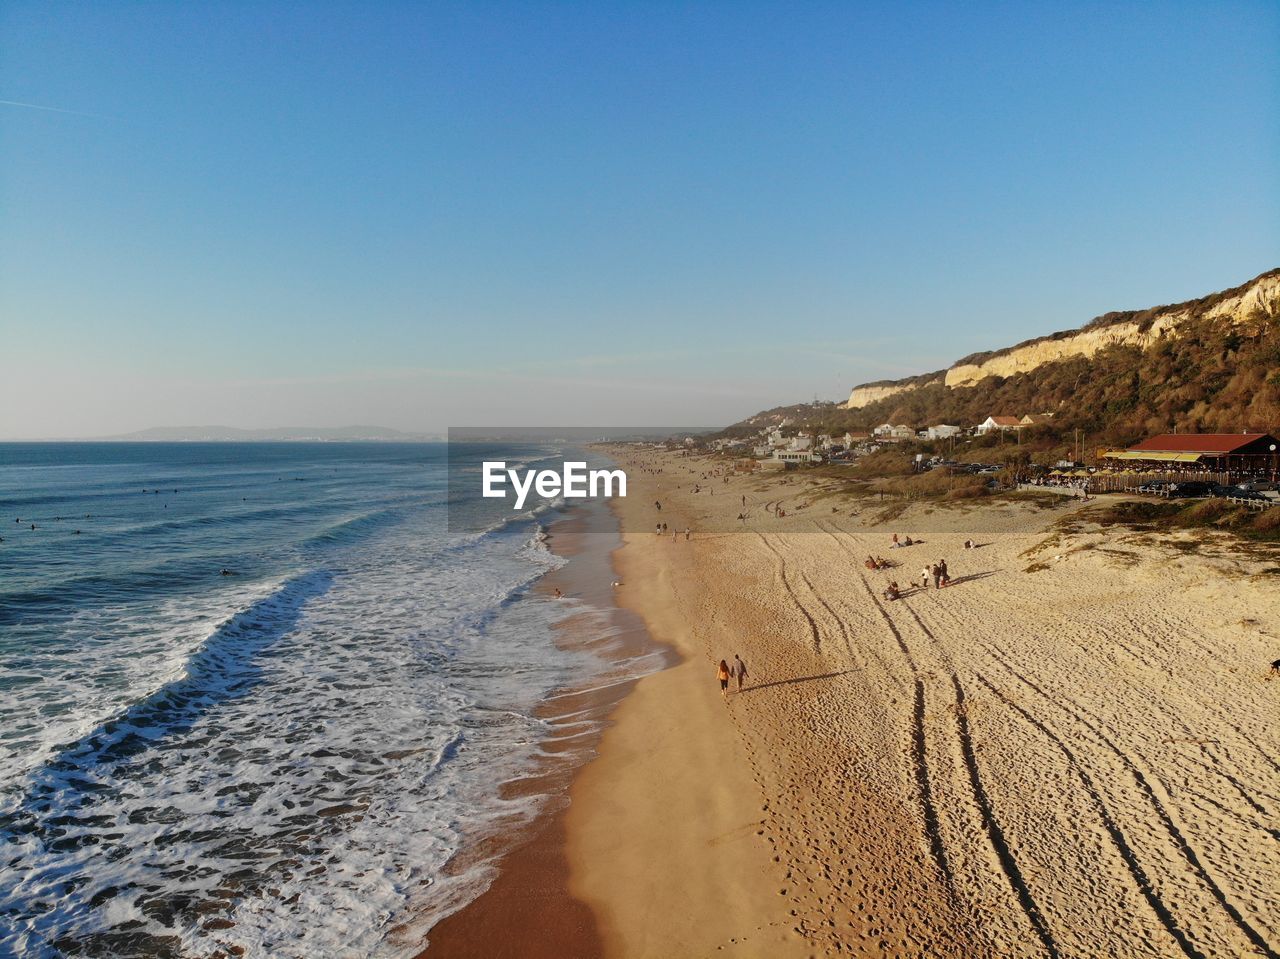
<point>282,757</point>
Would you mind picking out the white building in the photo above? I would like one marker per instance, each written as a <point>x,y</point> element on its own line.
<point>888,431</point>
<point>1002,423</point>
<point>796,456</point>
<point>942,431</point>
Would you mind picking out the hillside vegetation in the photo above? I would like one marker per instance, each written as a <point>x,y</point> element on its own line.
<point>1209,373</point>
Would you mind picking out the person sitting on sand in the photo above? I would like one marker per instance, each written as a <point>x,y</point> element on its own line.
<point>722,674</point>
<point>1275,669</point>
<point>892,591</point>
<point>739,670</point>
<point>870,563</point>
<point>969,544</point>
<point>907,541</point>
<point>896,544</point>
<point>882,563</point>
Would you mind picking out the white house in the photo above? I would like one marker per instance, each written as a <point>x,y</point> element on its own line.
<point>888,431</point>
<point>1002,423</point>
<point>799,443</point>
<point>942,431</point>
<point>796,456</point>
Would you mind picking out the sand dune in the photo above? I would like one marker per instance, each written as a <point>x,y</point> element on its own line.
<point>1077,761</point>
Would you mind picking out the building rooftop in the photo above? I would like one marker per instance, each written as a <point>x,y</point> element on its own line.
<point>1221,443</point>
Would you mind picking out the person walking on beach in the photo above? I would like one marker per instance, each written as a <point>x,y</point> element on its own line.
<point>942,572</point>
<point>739,670</point>
<point>722,674</point>
<point>936,573</point>
<point>924,578</point>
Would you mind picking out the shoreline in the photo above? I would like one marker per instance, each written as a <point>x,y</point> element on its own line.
<point>529,911</point>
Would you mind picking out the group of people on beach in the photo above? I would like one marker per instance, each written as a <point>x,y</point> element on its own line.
<point>938,573</point>
<point>725,672</point>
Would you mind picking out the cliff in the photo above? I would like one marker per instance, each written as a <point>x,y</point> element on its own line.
<point>869,393</point>
<point>1257,300</point>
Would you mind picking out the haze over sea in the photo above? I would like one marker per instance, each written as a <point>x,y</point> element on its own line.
<point>284,758</point>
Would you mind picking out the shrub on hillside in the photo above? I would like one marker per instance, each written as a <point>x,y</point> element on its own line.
<point>886,463</point>
<point>936,484</point>
<point>1268,521</point>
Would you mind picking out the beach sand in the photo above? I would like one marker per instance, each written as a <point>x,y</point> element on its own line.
<point>1070,751</point>
<point>1081,760</point>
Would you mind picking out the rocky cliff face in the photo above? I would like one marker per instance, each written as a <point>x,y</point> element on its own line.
<point>1258,298</point>
<point>866,395</point>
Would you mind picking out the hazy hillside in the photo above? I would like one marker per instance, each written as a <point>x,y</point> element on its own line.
<point>1207,364</point>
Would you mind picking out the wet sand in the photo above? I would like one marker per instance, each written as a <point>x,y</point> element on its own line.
<point>528,912</point>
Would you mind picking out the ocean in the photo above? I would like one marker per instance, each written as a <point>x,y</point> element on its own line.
<point>257,696</point>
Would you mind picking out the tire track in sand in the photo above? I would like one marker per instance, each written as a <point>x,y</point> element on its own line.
<point>1139,875</point>
<point>814,632</point>
<point>1176,837</point>
<point>995,834</point>
<point>919,745</point>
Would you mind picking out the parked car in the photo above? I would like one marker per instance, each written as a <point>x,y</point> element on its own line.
<point>1217,489</point>
<point>1249,494</point>
<point>1182,490</point>
<point>1256,486</point>
<point>1153,487</point>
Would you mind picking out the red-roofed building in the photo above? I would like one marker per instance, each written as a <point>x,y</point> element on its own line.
<point>992,423</point>
<point>1233,452</point>
<point>1211,444</point>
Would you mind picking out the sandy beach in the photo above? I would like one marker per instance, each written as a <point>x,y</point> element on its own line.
<point>1079,760</point>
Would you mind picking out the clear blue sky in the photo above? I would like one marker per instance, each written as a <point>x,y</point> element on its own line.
<point>422,215</point>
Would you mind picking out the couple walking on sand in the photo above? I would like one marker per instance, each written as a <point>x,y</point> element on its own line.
<point>937,572</point>
<point>724,672</point>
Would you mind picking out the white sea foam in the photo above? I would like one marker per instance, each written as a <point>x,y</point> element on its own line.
<point>304,769</point>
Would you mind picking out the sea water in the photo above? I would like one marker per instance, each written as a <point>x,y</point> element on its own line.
<point>257,695</point>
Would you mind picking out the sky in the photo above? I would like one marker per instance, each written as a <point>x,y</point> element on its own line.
<point>423,215</point>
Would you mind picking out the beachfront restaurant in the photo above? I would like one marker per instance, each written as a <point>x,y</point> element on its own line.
<point>1239,454</point>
